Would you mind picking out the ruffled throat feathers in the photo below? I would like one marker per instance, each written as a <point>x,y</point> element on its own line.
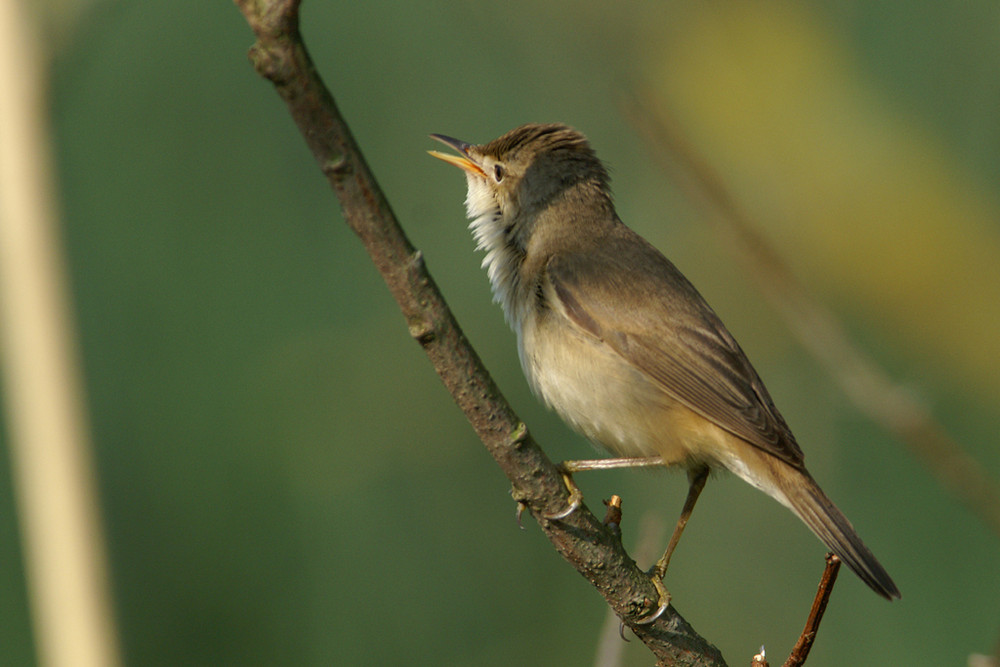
<point>497,238</point>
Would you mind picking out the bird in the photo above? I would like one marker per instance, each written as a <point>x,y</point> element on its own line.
<point>619,343</point>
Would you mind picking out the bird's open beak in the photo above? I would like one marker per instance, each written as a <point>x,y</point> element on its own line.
<point>461,161</point>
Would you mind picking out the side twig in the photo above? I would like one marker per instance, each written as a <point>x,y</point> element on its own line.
<point>802,647</point>
<point>280,56</point>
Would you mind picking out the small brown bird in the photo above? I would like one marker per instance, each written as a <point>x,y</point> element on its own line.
<point>618,342</point>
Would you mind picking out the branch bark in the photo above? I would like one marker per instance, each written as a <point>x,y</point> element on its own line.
<point>596,552</point>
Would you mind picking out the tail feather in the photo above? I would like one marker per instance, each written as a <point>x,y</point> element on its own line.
<point>828,523</point>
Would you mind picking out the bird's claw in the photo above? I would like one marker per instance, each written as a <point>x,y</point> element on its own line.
<point>575,498</point>
<point>664,602</point>
<point>521,506</point>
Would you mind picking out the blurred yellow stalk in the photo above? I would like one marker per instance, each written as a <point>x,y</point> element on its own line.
<point>863,202</point>
<point>42,389</point>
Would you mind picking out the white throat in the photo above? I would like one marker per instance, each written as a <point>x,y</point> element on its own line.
<point>502,258</point>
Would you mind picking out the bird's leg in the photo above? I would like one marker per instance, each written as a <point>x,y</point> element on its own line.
<point>610,464</point>
<point>567,468</point>
<point>697,478</point>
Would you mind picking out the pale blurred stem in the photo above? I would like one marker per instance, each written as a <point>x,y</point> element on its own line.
<point>42,389</point>
<point>280,56</point>
<point>610,651</point>
<point>870,388</point>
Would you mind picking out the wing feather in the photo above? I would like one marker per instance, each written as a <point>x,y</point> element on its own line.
<point>667,330</point>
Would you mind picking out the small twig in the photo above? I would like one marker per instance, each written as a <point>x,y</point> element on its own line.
<point>801,649</point>
<point>649,540</point>
<point>760,660</point>
<point>613,517</point>
<point>612,636</point>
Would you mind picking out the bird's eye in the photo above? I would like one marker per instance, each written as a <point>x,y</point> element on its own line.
<point>498,172</point>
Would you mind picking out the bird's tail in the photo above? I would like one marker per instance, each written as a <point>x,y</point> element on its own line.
<point>818,512</point>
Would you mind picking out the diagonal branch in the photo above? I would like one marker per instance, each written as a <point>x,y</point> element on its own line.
<point>595,551</point>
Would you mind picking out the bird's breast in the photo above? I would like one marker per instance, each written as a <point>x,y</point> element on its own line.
<point>601,395</point>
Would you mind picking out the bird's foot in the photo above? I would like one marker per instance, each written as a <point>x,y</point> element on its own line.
<point>575,497</point>
<point>662,603</point>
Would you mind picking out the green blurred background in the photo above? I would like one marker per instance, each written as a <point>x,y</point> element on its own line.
<point>284,480</point>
